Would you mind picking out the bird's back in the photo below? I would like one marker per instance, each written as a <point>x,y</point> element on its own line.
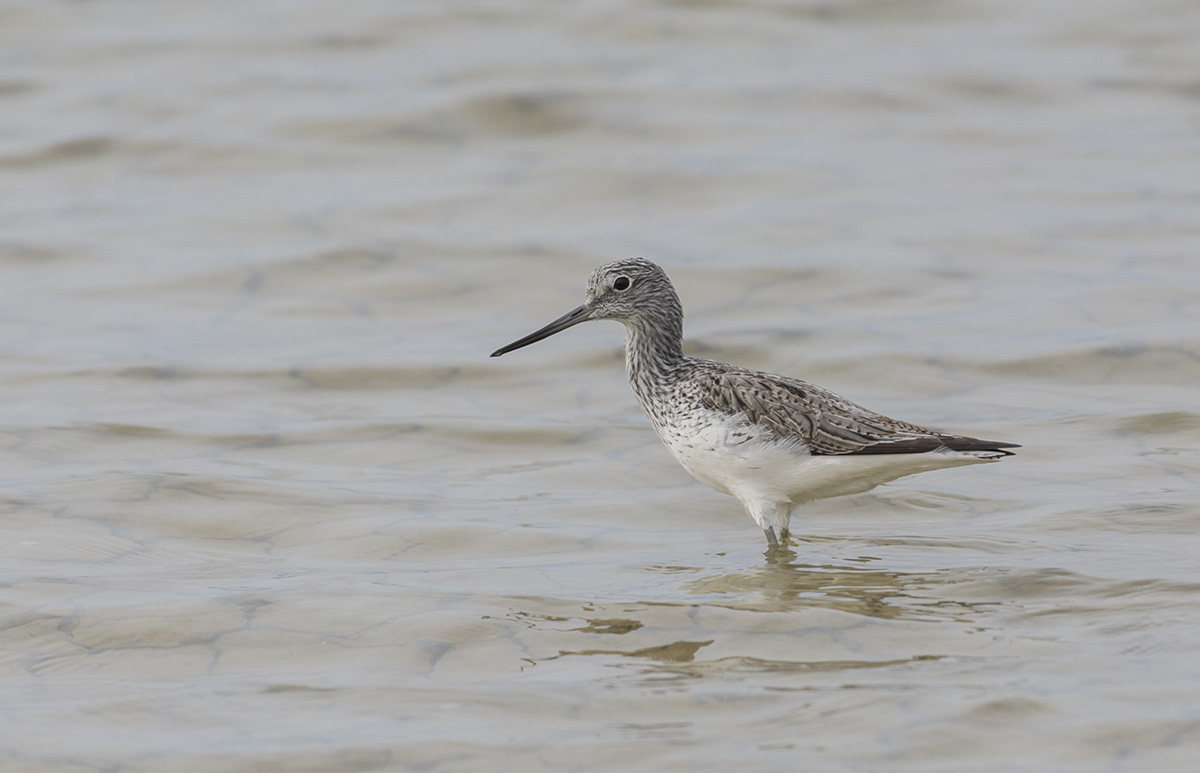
<point>791,410</point>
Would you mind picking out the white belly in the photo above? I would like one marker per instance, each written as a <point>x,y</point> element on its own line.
<point>752,465</point>
<point>729,456</point>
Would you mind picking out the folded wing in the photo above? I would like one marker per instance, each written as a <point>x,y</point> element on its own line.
<point>826,423</point>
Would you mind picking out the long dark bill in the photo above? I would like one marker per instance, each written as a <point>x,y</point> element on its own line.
<point>570,319</point>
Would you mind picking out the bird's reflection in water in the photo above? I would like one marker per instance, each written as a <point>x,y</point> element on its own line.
<point>671,636</point>
<point>782,583</point>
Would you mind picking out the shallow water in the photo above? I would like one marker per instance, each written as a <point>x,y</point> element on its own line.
<point>268,504</point>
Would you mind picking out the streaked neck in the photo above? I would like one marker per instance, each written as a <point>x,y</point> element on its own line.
<point>653,351</point>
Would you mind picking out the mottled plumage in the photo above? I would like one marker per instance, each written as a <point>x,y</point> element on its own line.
<point>772,442</point>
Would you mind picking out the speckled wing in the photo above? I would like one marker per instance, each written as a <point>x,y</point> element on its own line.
<point>825,422</point>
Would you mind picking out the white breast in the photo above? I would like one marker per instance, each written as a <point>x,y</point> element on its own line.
<point>724,453</point>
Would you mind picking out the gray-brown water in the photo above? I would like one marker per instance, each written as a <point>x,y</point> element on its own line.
<point>268,505</point>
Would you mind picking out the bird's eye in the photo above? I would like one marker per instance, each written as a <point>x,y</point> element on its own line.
<point>621,283</point>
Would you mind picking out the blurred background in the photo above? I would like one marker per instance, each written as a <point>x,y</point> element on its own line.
<point>267,504</point>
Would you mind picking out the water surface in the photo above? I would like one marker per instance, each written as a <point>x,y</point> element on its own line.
<point>268,505</point>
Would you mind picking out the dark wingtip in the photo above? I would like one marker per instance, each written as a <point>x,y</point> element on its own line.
<point>496,353</point>
<point>975,444</point>
<point>920,444</point>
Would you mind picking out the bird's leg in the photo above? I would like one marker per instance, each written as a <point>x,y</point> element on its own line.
<point>767,515</point>
<point>783,514</point>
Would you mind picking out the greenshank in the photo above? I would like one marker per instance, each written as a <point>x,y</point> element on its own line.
<point>772,442</point>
